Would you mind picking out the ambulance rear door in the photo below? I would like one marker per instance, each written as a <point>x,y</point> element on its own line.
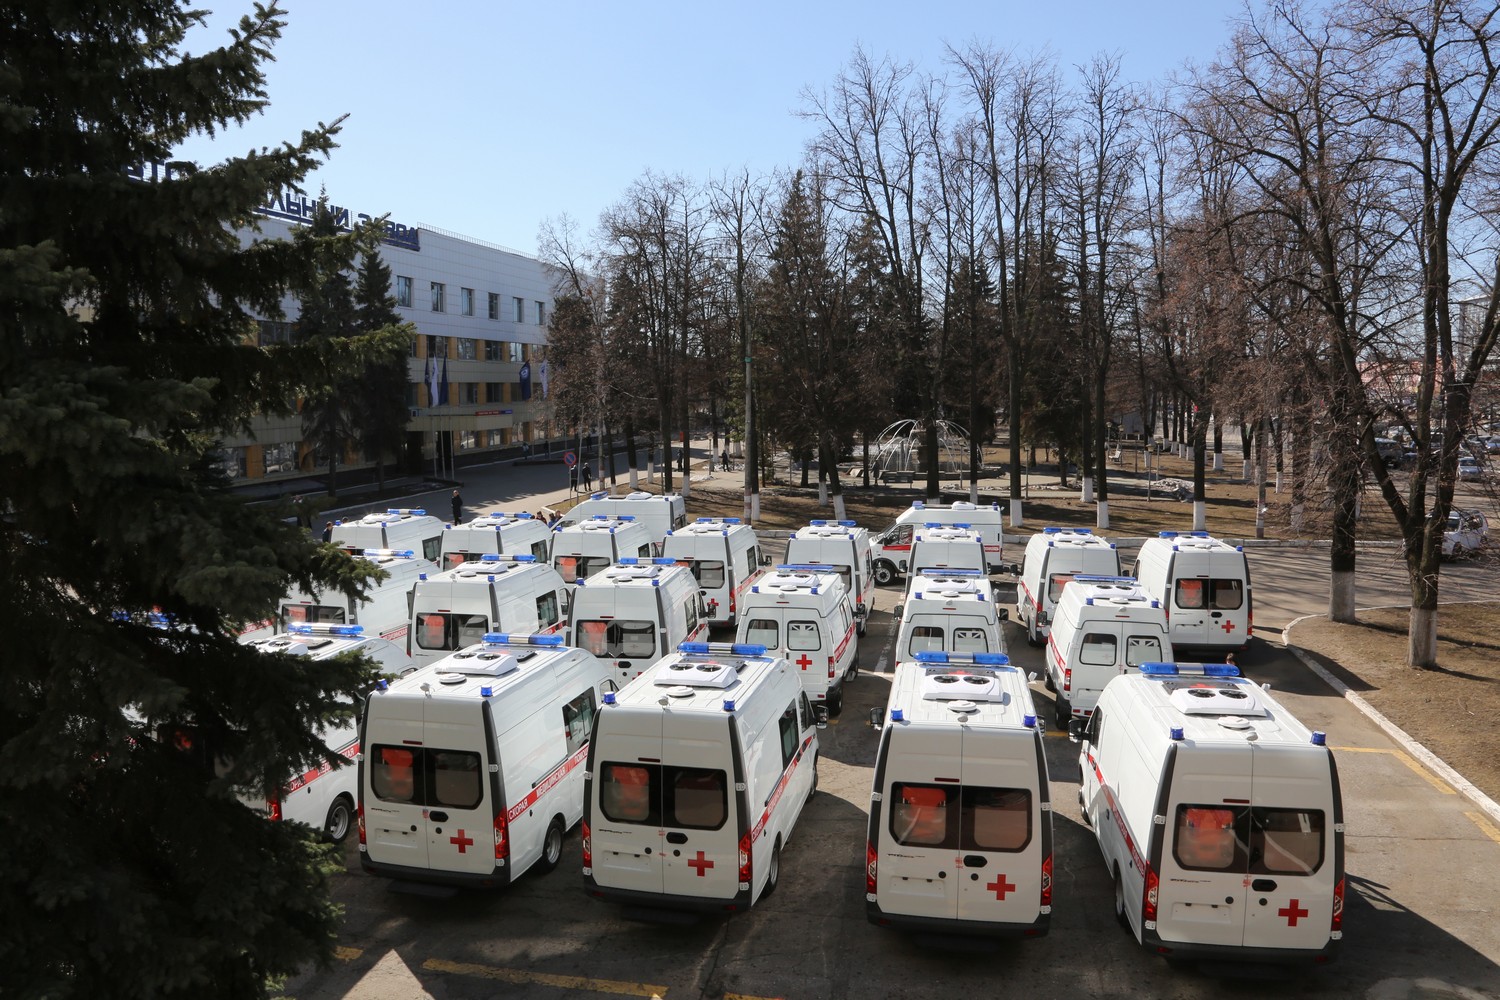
<point>1001,824</point>
<point>917,868</point>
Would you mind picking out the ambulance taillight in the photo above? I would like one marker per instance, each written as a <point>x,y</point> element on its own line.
<point>1153,889</point>
<point>273,807</point>
<point>1068,679</point>
<point>830,668</point>
<point>1047,884</point>
<point>745,867</point>
<point>588,848</point>
<point>871,865</point>
<point>359,817</point>
<point>1336,925</point>
<point>502,838</point>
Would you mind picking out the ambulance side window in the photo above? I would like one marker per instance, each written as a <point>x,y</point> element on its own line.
<point>1095,728</point>
<point>644,551</point>
<point>1226,595</point>
<point>1209,838</point>
<point>802,635</point>
<point>629,793</point>
<point>919,814</point>
<point>547,610</point>
<point>578,721</point>
<point>1142,649</point>
<point>690,611</point>
<point>1098,649</point>
<point>805,711</point>
<point>790,735</point>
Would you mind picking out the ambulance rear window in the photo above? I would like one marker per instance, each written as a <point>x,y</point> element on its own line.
<point>1190,594</point>
<point>692,798</point>
<point>924,638</point>
<point>1142,649</point>
<point>709,572</point>
<point>971,818</point>
<point>298,614</point>
<point>697,798</point>
<point>763,632</point>
<point>1055,584</point>
<point>1208,838</point>
<point>996,819</point>
<point>970,640</point>
<point>1286,841</point>
<point>627,793</point>
<point>614,639</point>
<point>1098,649</point>
<point>1226,595</point>
<point>919,814</point>
<point>453,560</point>
<point>426,776</point>
<point>575,568</point>
<point>803,635</point>
<point>446,630</point>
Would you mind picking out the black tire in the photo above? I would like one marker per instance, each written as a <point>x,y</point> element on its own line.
<point>552,847</point>
<point>885,573</point>
<point>340,819</point>
<point>1047,682</point>
<point>835,702</point>
<point>1120,914</point>
<point>773,870</point>
<point>1062,713</point>
<point>814,789</point>
<point>1083,809</point>
<point>1033,638</point>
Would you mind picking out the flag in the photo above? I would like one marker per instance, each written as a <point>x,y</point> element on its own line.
<point>544,380</point>
<point>432,381</point>
<point>443,392</point>
<point>525,381</point>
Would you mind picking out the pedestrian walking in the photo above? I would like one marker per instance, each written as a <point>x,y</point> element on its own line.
<point>588,478</point>
<point>724,460</point>
<point>328,532</point>
<point>458,507</point>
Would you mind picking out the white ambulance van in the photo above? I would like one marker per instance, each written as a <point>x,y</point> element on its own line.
<point>398,528</point>
<point>944,547</point>
<point>952,611</point>
<point>383,611</point>
<point>803,613</point>
<point>659,513</point>
<point>1204,585</point>
<point>1104,626</point>
<point>1218,814</point>
<point>324,797</point>
<point>453,610</point>
<point>844,547</point>
<point>1053,557</point>
<point>590,546</point>
<point>723,554</point>
<point>634,613</point>
<point>471,770</point>
<point>960,832</point>
<point>892,547</point>
<point>697,774</point>
<point>506,534</point>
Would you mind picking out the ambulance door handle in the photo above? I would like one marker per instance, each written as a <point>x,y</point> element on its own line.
<point>677,838</point>
<point>975,861</point>
<point>438,817</point>
<point>1264,885</point>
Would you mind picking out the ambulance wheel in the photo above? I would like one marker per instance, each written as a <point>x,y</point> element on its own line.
<point>835,702</point>
<point>552,846</point>
<point>1033,638</point>
<point>1062,713</point>
<point>1083,809</point>
<point>1120,913</point>
<point>773,870</point>
<point>1047,682</point>
<point>885,574</point>
<point>340,819</point>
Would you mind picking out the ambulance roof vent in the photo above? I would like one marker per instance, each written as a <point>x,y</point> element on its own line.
<point>639,495</point>
<point>480,661</point>
<point>1227,700</point>
<point>696,674</point>
<point>956,685</point>
<point>786,580</point>
<point>474,570</point>
<point>286,644</point>
<point>962,707</point>
<point>681,691</point>
<point>623,571</point>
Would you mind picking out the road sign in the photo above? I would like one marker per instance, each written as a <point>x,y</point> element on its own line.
<point>570,459</point>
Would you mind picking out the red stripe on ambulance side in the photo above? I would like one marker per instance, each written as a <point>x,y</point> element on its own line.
<point>308,777</point>
<point>548,783</point>
<point>786,776</point>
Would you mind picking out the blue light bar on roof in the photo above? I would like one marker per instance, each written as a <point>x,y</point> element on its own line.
<point>628,560</point>
<point>663,561</point>
<point>413,511</point>
<point>722,648</point>
<point>931,656</point>
<point>398,553</point>
<point>804,568</point>
<point>521,639</point>
<point>1159,669</point>
<point>1088,578</point>
<point>320,628</point>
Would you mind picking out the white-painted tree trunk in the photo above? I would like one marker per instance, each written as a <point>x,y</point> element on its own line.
<point>1015,512</point>
<point>1087,493</point>
<point>754,507</point>
<point>1218,461</point>
<point>822,493</point>
<point>1200,515</point>
<point>1341,596</point>
<point>1278,480</point>
<point>1245,470</point>
<point>1298,512</point>
<point>973,491</point>
<point>634,481</point>
<point>687,483</point>
<point>1101,515</point>
<point>1421,640</point>
<point>838,508</point>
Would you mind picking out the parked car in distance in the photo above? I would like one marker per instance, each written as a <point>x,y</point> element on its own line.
<point>1467,531</point>
<point>1469,469</point>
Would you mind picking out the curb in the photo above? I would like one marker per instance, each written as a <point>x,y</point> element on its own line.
<point>1431,760</point>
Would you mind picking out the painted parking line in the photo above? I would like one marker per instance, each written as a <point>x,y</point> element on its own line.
<point>347,954</point>
<point>1490,830</point>
<point>1407,759</point>
<point>616,987</point>
<point>747,996</point>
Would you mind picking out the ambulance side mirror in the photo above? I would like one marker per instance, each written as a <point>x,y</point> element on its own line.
<point>897,612</point>
<point>1004,615</point>
<point>767,560</point>
<point>1014,569</point>
<point>877,718</point>
<point>820,716</point>
<point>1076,729</point>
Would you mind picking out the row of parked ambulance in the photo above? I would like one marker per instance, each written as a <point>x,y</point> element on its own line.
<point>1217,813</point>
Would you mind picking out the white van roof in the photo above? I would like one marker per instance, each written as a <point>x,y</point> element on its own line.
<point>317,640</point>
<point>489,567</point>
<point>496,520</point>
<point>1193,541</point>
<point>951,585</point>
<point>934,531</point>
<point>1120,591</point>
<point>486,669</point>
<point>716,678</point>
<point>808,579</point>
<point>394,515</point>
<point>1082,538</point>
<point>981,689</point>
<point>1210,703</point>
<point>634,572</point>
<point>828,529</point>
<point>723,526</point>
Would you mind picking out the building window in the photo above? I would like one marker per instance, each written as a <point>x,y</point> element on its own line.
<point>280,458</point>
<point>468,440</point>
<point>274,332</point>
<point>403,290</point>
<point>494,350</point>
<point>466,348</point>
<point>438,302</point>
<point>541,314</point>
<point>411,348</point>
<point>492,392</point>
<point>494,305</point>
<point>466,301</point>
<point>470,392</point>
<point>520,308</point>
<point>516,352</point>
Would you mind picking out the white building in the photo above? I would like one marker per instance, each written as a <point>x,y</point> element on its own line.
<point>481,314</point>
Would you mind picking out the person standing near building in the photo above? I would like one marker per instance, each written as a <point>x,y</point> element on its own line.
<point>724,459</point>
<point>458,507</point>
<point>588,478</point>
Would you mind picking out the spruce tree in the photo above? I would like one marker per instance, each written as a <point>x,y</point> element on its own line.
<point>326,320</point>
<point>127,350</point>
<point>377,399</point>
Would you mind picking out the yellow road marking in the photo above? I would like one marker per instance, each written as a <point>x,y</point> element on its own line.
<point>1490,830</point>
<point>347,954</point>
<point>546,979</point>
<point>1406,758</point>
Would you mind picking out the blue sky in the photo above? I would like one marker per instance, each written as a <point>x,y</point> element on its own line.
<point>485,118</point>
